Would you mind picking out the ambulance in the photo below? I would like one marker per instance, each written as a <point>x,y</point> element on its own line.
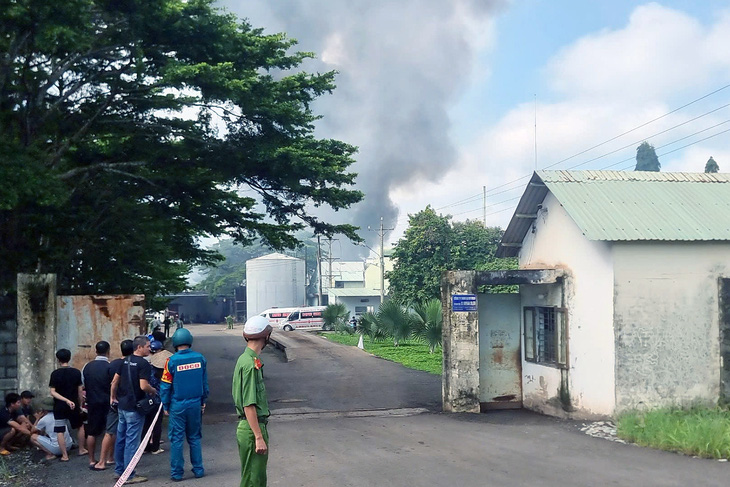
<point>308,318</point>
<point>276,316</point>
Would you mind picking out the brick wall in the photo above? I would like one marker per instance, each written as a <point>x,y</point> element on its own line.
<point>8,346</point>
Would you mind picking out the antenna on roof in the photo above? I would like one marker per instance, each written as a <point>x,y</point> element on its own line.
<point>535,131</point>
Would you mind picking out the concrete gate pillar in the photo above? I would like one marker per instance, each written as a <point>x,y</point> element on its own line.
<point>36,331</point>
<point>460,379</point>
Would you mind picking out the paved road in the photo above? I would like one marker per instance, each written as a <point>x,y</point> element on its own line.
<point>343,418</point>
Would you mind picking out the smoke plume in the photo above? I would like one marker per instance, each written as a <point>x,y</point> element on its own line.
<point>403,65</point>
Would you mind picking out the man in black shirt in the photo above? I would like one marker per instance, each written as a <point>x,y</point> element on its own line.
<point>66,390</point>
<point>97,382</point>
<point>112,417</point>
<point>129,385</point>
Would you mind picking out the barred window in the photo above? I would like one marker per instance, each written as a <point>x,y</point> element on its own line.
<point>546,340</point>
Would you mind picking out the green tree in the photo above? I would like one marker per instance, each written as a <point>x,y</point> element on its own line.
<point>420,257</point>
<point>711,166</point>
<point>646,158</point>
<point>130,129</point>
<point>432,244</point>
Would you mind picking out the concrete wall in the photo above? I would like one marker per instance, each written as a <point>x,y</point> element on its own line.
<point>666,316</point>
<point>460,377</point>
<point>351,302</point>
<point>36,331</point>
<point>8,346</point>
<point>588,296</point>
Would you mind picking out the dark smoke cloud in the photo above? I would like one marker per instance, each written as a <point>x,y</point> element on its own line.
<point>402,66</point>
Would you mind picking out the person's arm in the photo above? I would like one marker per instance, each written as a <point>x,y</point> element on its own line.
<point>113,389</point>
<point>144,384</point>
<point>19,427</point>
<point>58,396</point>
<point>81,395</point>
<point>166,386</point>
<point>206,392</point>
<point>253,422</point>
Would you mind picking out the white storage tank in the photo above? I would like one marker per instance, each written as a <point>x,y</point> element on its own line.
<point>274,280</point>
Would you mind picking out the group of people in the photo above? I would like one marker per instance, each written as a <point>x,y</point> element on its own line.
<point>102,401</point>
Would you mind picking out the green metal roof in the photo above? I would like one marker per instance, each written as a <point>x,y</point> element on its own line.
<point>630,205</point>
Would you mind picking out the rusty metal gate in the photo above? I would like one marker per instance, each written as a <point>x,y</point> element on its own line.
<point>500,361</point>
<point>85,320</point>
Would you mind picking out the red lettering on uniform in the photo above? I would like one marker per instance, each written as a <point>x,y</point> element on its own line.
<point>184,367</point>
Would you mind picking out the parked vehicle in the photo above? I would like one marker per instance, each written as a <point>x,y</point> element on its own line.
<point>277,316</point>
<point>308,318</point>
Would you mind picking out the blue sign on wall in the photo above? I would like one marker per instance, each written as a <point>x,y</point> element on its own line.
<point>463,302</point>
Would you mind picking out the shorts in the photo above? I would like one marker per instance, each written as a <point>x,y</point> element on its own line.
<point>49,444</point>
<point>96,419</point>
<point>72,416</point>
<point>112,421</point>
<point>60,425</point>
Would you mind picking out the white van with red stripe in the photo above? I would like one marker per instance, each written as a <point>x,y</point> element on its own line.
<point>308,318</point>
<point>277,316</point>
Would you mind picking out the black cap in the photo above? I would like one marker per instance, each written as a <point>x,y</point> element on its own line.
<point>27,395</point>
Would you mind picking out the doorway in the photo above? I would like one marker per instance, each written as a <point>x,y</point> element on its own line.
<point>725,339</point>
<point>500,358</point>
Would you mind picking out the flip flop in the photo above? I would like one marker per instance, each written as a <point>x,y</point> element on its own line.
<point>4,452</point>
<point>62,460</point>
<point>95,469</point>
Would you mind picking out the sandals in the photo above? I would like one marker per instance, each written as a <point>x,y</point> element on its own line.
<point>4,452</point>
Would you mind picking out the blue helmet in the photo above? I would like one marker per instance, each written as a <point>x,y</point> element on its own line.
<point>182,337</point>
<point>155,345</point>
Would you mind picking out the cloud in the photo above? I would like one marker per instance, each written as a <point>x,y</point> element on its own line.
<point>599,86</point>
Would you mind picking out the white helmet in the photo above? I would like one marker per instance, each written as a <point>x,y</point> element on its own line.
<point>257,327</point>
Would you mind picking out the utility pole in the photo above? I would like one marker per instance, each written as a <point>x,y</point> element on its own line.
<point>484,190</point>
<point>319,271</point>
<point>330,274</point>
<point>382,260</point>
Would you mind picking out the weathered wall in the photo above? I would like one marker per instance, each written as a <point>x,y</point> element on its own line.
<point>587,293</point>
<point>8,345</point>
<point>666,316</point>
<point>36,331</point>
<point>460,378</point>
<point>85,320</point>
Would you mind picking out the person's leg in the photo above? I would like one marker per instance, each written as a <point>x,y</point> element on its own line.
<point>176,434</point>
<point>156,435</point>
<point>107,444</point>
<point>147,423</point>
<point>120,444</point>
<point>81,439</point>
<point>253,466</point>
<point>193,431</point>
<point>59,427</point>
<point>7,435</point>
<point>44,444</point>
<point>135,421</point>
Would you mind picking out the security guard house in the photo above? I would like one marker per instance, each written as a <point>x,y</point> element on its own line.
<point>623,303</point>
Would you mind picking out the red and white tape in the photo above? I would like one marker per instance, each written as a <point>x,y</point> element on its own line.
<point>138,454</point>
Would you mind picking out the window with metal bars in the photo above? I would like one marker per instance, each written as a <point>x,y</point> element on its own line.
<point>546,340</point>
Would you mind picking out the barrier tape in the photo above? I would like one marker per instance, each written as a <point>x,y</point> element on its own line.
<point>138,454</point>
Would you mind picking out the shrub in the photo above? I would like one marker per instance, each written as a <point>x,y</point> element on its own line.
<point>334,315</point>
<point>427,323</point>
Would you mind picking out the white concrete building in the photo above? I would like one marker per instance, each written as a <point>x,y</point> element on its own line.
<point>356,284</point>
<point>624,299</point>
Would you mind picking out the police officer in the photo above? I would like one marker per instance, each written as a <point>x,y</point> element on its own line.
<point>184,390</point>
<point>249,396</point>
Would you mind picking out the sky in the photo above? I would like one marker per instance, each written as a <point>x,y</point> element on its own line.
<point>446,97</point>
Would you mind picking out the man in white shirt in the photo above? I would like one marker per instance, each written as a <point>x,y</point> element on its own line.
<point>47,440</point>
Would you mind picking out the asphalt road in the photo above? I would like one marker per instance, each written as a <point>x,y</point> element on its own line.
<point>341,417</point>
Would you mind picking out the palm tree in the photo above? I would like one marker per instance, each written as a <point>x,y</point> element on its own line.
<point>428,319</point>
<point>368,325</point>
<point>333,315</point>
<point>394,318</point>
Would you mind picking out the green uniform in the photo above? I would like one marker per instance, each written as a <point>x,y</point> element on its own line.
<point>248,390</point>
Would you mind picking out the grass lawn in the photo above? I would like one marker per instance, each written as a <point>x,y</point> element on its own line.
<point>700,432</point>
<point>411,354</point>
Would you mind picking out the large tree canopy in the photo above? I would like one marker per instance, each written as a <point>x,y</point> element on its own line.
<point>432,244</point>
<point>130,128</point>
